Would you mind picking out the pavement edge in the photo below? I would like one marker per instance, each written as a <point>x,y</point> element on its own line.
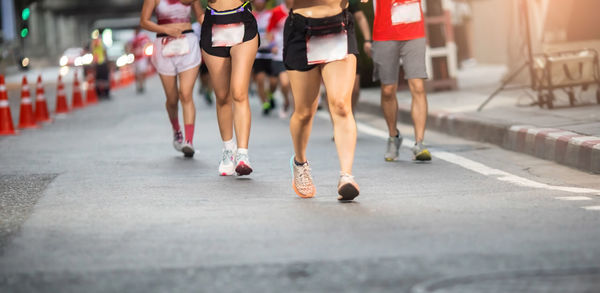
<point>561,146</point>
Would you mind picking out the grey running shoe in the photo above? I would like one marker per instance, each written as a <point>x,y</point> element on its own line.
<point>302,181</point>
<point>226,166</point>
<point>188,149</point>
<point>242,164</point>
<point>347,187</point>
<point>420,152</point>
<point>178,140</point>
<point>393,145</point>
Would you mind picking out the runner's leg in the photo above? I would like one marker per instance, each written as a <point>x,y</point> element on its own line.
<point>338,77</point>
<point>305,89</point>
<point>418,107</point>
<point>242,58</point>
<point>220,71</point>
<point>187,79</point>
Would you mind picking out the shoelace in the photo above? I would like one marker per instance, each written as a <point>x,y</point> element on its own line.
<point>305,177</point>
<point>227,155</point>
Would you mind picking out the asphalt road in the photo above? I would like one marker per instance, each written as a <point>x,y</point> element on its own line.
<point>99,201</point>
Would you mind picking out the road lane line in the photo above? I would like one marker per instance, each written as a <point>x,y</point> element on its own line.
<point>592,208</point>
<point>475,166</point>
<point>573,198</point>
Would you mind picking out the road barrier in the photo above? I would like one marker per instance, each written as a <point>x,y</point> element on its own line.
<point>77,99</point>
<point>26,117</point>
<point>41,107</point>
<point>6,122</point>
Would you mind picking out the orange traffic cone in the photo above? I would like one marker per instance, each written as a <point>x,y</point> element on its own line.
<point>6,122</point>
<point>77,99</point>
<point>26,118</point>
<point>41,108</point>
<point>91,95</point>
<point>61,98</point>
<point>113,81</point>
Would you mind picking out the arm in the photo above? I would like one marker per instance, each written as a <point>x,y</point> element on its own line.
<point>361,20</point>
<point>198,11</point>
<point>147,24</point>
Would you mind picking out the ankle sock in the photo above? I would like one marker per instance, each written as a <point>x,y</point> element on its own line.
<point>298,163</point>
<point>175,124</point>
<point>242,151</point>
<point>189,132</point>
<point>229,145</point>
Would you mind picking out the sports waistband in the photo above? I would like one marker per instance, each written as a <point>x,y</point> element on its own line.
<point>161,35</point>
<point>241,8</point>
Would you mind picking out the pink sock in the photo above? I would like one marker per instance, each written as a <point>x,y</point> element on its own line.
<point>189,132</point>
<point>175,124</point>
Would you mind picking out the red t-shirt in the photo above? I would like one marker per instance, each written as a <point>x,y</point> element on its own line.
<point>408,25</point>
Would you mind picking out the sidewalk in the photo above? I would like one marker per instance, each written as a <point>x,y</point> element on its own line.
<point>567,135</point>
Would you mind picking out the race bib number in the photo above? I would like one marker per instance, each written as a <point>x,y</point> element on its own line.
<point>175,46</point>
<point>227,35</point>
<point>327,48</point>
<point>406,13</point>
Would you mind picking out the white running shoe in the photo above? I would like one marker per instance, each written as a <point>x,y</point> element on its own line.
<point>226,166</point>
<point>188,149</point>
<point>178,140</point>
<point>242,164</point>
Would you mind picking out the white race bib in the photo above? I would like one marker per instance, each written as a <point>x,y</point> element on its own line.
<point>175,46</point>
<point>327,48</point>
<point>227,35</point>
<point>406,13</point>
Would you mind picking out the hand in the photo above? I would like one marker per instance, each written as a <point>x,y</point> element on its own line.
<point>274,50</point>
<point>367,48</point>
<point>173,31</point>
<point>364,1</point>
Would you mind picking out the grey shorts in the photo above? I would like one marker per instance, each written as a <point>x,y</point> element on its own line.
<point>387,56</point>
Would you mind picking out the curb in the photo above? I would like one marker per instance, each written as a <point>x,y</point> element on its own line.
<point>564,147</point>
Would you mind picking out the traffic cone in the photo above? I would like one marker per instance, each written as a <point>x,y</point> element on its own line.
<point>62,107</point>
<point>41,108</point>
<point>6,122</point>
<point>113,81</point>
<point>91,95</point>
<point>77,99</point>
<point>26,117</point>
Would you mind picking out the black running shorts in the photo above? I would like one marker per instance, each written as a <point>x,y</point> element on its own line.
<point>242,14</point>
<point>298,28</point>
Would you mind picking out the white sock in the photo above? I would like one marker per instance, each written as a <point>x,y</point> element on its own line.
<point>229,145</point>
<point>242,151</point>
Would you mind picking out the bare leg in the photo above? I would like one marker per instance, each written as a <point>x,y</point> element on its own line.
<point>418,107</point>
<point>172,104</point>
<point>355,93</point>
<point>260,78</point>
<point>389,105</point>
<point>187,79</point>
<point>284,81</point>
<point>305,89</point>
<point>338,78</point>
<point>220,71</point>
<point>242,58</point>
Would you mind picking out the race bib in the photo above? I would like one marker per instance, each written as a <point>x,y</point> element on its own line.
<point>175,46</point>
<point>406,13</point>
<point>227,35</point>
<point>327,48</point>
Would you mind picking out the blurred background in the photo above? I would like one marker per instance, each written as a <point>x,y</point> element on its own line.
<point>461,33</point>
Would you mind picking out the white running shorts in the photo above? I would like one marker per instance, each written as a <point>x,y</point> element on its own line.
<point>171,66</point>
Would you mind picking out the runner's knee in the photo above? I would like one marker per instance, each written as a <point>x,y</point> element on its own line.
<point>239,96</point>
<point>388,92</point>
<point>303,115</point>
<point>340,108</point>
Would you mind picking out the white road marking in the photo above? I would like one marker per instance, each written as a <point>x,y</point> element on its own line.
<point>476,166</point>
<point>573,198</point>
<point>592,208</point>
